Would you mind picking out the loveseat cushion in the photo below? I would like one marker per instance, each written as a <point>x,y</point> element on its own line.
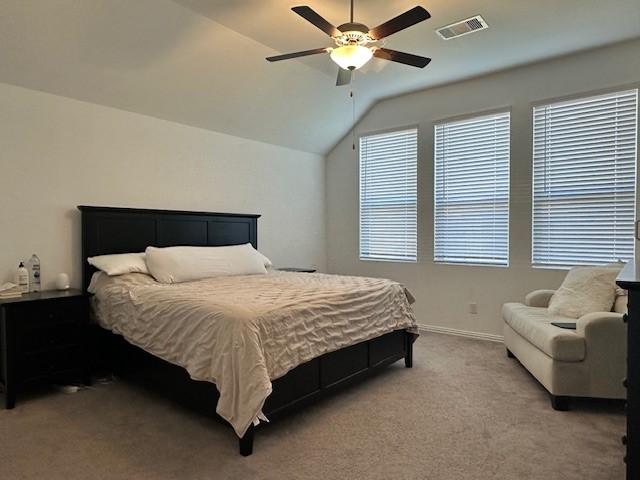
<point>534,325</point>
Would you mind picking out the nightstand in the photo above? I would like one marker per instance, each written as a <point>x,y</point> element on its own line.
<point>43,339</point>
<point>297,269</point>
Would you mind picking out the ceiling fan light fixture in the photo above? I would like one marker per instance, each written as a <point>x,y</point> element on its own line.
<point>351,57</point>
<point>353,41</point>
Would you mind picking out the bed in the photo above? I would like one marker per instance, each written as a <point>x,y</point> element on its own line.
<point>285,338</point>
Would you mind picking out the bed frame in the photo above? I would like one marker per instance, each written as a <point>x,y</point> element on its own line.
<point>107,230</point>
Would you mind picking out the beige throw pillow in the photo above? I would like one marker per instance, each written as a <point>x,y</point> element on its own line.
<point>620,305</point>
<point>585,290</point>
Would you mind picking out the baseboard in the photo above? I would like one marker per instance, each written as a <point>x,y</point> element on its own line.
<point>461,333</point>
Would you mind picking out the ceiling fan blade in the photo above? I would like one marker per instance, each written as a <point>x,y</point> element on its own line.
<point>344,77</point>
<point>304,53</point>
<point>311,16</point>
<point>402,57</point>
<point>402,21</point>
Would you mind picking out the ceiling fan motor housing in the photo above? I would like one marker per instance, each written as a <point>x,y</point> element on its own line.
<point>353,34</point>
<point>353,27</point>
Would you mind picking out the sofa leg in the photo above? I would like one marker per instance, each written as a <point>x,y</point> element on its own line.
<point>560,403</point>
<point>509,354</point>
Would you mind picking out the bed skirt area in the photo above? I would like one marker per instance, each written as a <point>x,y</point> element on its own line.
<point>302,385</point>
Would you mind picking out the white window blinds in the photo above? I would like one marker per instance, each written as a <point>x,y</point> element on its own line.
<point>584,178</point>
<point>471,207</point>
<point>388,196</point>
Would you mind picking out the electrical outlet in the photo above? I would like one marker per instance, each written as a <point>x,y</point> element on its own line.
<point>473,308</point>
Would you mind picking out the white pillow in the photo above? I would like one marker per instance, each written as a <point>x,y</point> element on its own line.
<point>267,262</point>
<point>95,280</point>
<point>119,264</point>
<point>184,264</point>
<point>585,290</point>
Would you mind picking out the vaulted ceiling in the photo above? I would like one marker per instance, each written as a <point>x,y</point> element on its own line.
<point>201,62</point>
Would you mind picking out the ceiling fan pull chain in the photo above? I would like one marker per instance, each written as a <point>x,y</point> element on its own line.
<point>353,118</point>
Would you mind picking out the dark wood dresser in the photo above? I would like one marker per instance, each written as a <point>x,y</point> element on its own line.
<point>43,339</point>
<point>629,279</point>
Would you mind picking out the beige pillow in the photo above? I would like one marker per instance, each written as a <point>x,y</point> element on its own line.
<point>585,290</point>
<point>619,290</point>
<point>620,305</point>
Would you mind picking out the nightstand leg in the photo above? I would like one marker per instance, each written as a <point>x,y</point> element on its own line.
<point>560,403</point>
<point>9,398</point>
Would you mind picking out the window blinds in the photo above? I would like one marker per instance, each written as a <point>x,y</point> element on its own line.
<point>584,177</point>
<point>388,196</point>
<point>471,207</point>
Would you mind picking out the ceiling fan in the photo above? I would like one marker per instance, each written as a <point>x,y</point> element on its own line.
<point>354,41</point>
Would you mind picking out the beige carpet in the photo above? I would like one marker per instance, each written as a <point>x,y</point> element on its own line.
<point>464,411</point>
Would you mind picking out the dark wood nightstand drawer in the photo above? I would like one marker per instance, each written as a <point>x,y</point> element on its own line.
<point>43,364</point>
<point>34,339</point>
<point>35,314</point>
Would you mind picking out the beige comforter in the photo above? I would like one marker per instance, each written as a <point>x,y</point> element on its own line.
<point>242,332</point>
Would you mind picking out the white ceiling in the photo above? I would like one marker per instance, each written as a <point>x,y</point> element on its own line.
<point>201,62</point>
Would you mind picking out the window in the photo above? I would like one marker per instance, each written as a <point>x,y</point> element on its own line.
<point>388,196</point>
<point>471,207</point>
<point>584,177</point>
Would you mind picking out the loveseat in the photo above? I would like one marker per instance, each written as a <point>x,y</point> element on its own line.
<point>589,361</point>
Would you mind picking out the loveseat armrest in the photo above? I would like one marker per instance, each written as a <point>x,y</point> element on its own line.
<point>538,298</point>
<point>605,337</point>
<point>598,325</point>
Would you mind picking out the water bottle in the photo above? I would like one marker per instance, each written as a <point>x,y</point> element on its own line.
<point>34,273</point>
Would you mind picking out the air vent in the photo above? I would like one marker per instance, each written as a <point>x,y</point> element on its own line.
<point>463,27</point>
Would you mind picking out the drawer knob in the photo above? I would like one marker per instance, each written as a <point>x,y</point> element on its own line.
<point>625,383</point>
<point>624,439</point>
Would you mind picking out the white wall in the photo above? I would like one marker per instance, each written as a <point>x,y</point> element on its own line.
<point>57,153</point>
<point>444,292</point>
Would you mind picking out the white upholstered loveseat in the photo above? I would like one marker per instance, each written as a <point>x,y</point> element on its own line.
<point>587,362</point>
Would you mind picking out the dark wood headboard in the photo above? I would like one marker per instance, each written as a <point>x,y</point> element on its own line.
<point>108,230</point>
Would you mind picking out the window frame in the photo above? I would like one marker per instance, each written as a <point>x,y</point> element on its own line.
<point>371,133</point>
<point>462,118</point>
<point>575,97</point>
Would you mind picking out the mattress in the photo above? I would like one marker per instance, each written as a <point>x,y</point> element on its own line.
<point>242,332</point>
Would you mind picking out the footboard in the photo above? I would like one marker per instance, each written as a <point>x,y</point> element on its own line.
<point>311,380</point>
<point>302,385</point>
<point>337,368</point>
